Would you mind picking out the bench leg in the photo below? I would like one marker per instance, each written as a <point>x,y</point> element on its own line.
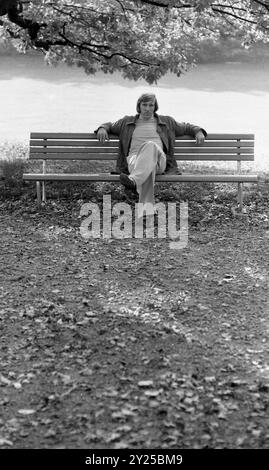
<point>43,192</point>
<point>240,196</point>
<point>38,193</point>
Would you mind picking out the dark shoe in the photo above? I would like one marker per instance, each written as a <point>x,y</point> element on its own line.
<point>127,182</point>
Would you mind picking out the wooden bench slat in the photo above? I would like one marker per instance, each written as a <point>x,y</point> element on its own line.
<point>72,156</point>
<point>215,151</point>
<point>65,135</point>
<point>114,144</point>
<point>238,178</point>
<point>212,144</point>
<point>84,135</point>
<point>96,151</point>
<point>73,143</point>
<point>214,157</point>
<point>75,150</point>
<point>229,137</point>
<point>113,157</point>
<point>161,178</point>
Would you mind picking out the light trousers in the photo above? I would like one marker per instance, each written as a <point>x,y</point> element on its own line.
<point>149,161</point>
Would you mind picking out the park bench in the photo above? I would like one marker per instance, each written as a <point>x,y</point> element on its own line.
<point>46,146</point>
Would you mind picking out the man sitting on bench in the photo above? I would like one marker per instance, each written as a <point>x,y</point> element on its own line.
<point>146,146</point>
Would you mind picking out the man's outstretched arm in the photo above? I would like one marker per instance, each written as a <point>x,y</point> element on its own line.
<point>182,128</point>
<point>108,128</point>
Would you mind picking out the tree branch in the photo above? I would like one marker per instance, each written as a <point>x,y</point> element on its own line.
<point>220,5</point>
<point>14,16</point>
<point>233,15</point>
<point>155,3</point>
<point>165,5</point>
<point>88,47</point>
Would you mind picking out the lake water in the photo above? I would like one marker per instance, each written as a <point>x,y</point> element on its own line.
<point>230,97</point>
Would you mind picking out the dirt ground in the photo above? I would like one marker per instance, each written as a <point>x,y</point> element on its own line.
<point>118,344</point>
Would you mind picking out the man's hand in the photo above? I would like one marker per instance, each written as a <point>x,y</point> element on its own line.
<point>200,138</point>
<point>102,135</point>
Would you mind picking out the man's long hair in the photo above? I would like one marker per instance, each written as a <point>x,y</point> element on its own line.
<point>144,98</point>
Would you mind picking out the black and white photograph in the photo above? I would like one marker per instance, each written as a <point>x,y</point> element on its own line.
<point>134,231</point>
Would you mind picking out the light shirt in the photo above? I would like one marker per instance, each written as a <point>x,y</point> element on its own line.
<point>145,130</point>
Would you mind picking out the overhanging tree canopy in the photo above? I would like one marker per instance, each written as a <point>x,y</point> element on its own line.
<point>139,38</point>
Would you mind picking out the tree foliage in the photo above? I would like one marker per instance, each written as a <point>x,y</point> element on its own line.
<point>141,39</point>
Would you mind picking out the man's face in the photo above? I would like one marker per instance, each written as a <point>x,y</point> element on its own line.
<point>147,109</point>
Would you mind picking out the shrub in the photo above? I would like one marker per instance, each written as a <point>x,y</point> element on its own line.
<point>12,161</point>
<point>12,164</point>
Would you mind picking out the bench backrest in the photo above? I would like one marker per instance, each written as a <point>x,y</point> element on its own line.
<point>82,146</point>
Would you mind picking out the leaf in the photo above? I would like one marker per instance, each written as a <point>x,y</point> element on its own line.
<point>90,314</point>
<point>65,378</point>
<point>124,428</point>
<point>153,393</point>
<point>145,383</point>
<point>210,379</point>
<point>154,404</point>
<point>4,380</point>
<point>26,412</point>
<point>4,441</point>
<point>113,437</point>
<point>124,413</point>
<point>30,312</point>
<point>17,385</point>
<point>50,433</point>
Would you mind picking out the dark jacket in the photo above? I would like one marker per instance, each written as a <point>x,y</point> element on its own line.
<point>167,128</point>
